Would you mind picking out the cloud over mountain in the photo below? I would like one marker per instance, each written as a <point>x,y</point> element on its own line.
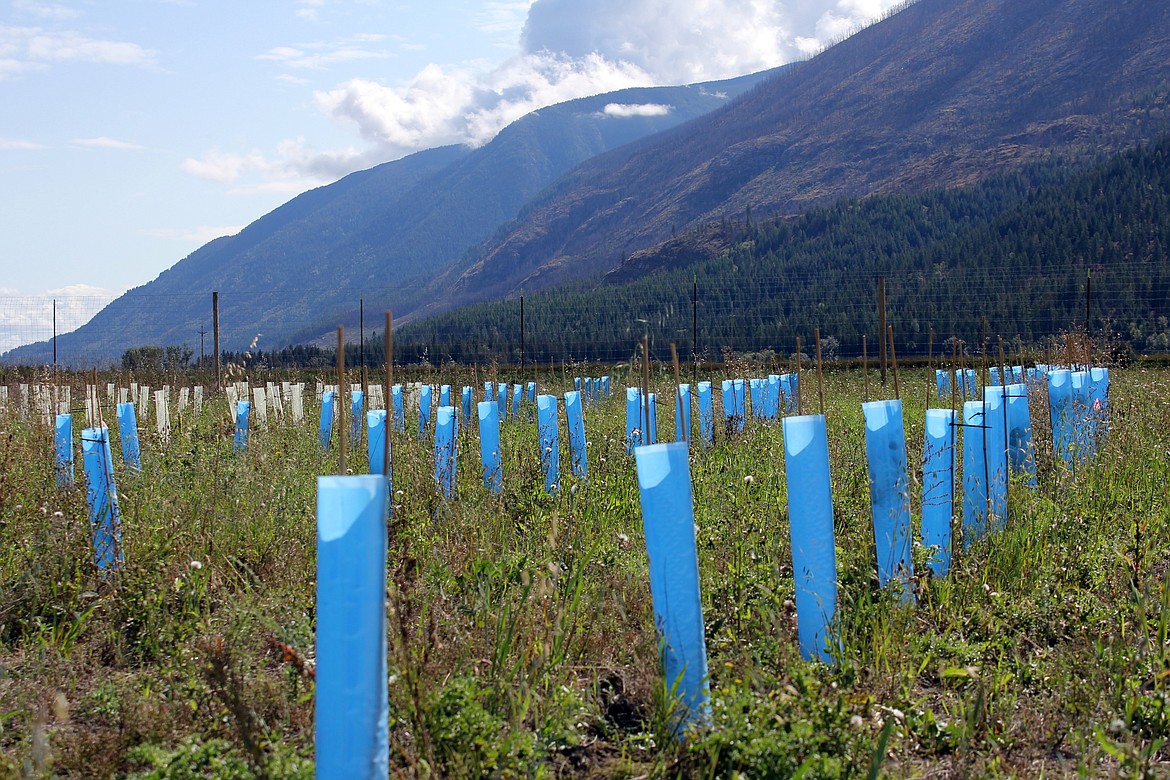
<point>570,49</point>
<point>574,48</point>
<point>684,41</point>
<point>623,110</point>
<point>442,107</point>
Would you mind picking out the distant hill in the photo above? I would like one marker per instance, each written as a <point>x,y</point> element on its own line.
<point>381,233</point>
<point>941,94</point>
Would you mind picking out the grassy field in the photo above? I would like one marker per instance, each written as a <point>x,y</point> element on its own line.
<point>522,641</point>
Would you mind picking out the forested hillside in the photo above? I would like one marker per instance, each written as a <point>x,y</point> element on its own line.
<point>1017,248</point>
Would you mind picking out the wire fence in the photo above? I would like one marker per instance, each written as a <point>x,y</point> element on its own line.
<point>1125,306</point>
<point>29,319</point>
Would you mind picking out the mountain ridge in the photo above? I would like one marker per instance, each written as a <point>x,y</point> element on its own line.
<point>949,90</point>
<point>380,233</point>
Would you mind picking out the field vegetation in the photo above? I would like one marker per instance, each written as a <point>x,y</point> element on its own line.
<point>521,633</point>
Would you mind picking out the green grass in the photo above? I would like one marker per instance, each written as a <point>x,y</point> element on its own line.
<point>522,641</point>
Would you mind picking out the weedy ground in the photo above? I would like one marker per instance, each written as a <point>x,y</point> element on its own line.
<point>521,634</point>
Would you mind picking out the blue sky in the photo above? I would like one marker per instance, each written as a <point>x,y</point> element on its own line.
<point>133,132</point>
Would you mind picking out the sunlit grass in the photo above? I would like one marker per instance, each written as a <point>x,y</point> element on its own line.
<point>521,629</point>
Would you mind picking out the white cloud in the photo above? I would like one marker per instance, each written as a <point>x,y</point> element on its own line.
<point>439,106</point>
<point>295,81</point>
<point>10,67</point>
<point>503,17</point>
<point>24,49</point>
<point>623,110</point>
<point>17,144</point>
<point>301,59</point>
<point>81,291</point>
<point>682,41</point>
<point>45,10</point>
<point>105,142</point>
<point>71,46</point>
<point>406,117</point>
<point>222,167</point>
<point>458,106</point>
<point>25,319</point>
<point>322,54</point>
<point>309,9</point>
<point>572,48</point>
<point>294,168</point>
<point>584,47</point>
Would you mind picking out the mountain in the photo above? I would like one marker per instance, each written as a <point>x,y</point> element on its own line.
<point>1034,251</point>
<point>941,94</point>
<point>380,234</point>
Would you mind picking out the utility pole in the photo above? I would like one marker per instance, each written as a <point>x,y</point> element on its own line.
<point>983,354</point>
<point>362,341</point>
<point>882,323</point>
<point>1088,296</point>
<point>55,391</point>
<point>1088,302</point>
<point>215,337</point>
<point>202,333</point>
<point>695,334</point>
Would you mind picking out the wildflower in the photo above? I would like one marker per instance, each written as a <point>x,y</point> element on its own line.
<point>749,479</point>
<point>196,565</point>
